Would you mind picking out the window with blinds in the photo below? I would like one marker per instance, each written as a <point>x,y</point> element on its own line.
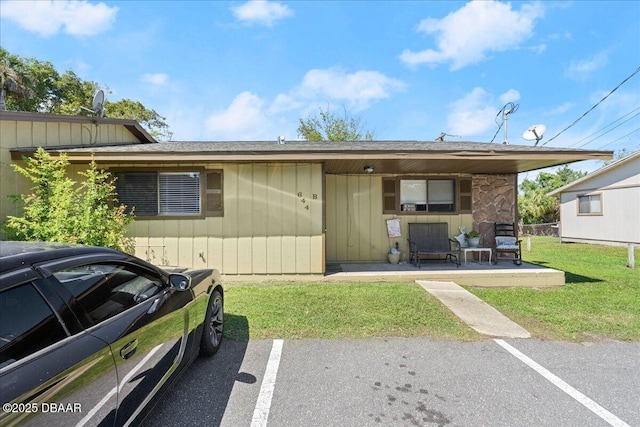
<point>179,193</point>
<point>426,195</point>
<point>171,193</point>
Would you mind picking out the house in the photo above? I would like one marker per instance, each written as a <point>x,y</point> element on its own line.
<point>282,208</point>
<point>603,206</point>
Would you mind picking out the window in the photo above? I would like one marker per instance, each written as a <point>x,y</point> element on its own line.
<point>172,193</point>
<point>426,195</point>
<point>105,290</point>
<point>590,204</point>
<point>27,324</point>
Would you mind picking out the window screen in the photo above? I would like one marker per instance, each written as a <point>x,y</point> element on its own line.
<point>139,192</point>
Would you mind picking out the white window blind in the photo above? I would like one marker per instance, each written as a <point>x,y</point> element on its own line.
<point>179,193</point>
<point>440,191</point>
<point>413,191</point>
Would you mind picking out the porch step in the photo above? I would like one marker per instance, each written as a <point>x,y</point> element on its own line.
<point>476,313</point>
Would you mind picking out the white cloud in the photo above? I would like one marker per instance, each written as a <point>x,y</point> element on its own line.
<point>475,113</point>
<point>582,70</point>
<point>511,95</point>
<point>261,12</point>
<point>560,109</point>
<point>469,34</point>
<point>359,89</point>
<point>156,79</point>
<point>76,18</point>
<point>244,119</point>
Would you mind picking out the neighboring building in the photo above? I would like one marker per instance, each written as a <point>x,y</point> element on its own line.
<point>603,206</point>
<point>272,208</point>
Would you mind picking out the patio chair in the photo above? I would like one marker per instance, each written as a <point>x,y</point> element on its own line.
<point>432,239</point>
<point>507,242</point>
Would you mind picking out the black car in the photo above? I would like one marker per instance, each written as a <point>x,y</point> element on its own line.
<point>91,336</point>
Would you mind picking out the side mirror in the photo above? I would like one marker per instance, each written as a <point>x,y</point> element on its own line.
<point>179,281</point>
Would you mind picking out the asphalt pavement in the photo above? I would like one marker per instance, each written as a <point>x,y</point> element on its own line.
<point>408,382</point>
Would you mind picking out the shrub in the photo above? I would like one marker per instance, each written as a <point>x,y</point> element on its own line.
<point>59,210</point>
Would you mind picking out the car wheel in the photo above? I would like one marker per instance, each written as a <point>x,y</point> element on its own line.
<point>213,325</point>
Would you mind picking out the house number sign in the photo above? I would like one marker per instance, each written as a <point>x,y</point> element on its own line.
<point>303,200</point>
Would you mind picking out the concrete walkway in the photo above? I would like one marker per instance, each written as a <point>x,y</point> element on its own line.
<point>472,310</point>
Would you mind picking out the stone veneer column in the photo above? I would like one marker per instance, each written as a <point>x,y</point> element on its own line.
<point>494,200</point>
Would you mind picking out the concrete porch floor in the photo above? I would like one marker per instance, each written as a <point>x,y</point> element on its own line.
<point>482,275</point>
<point>474,273</point>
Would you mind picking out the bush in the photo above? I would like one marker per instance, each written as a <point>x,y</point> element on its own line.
<point>59,210</point>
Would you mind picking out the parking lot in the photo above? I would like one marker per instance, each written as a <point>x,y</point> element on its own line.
<point>413,381</point>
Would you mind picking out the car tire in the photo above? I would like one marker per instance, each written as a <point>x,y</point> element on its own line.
<point>213,325</point>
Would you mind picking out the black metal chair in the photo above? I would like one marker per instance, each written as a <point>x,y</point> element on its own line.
<point>507,242</point>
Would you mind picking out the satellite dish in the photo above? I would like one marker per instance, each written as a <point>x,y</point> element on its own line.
<point>98,101</point>
<point>534,133</point>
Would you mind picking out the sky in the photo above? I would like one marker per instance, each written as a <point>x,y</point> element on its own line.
<point>409,70</point>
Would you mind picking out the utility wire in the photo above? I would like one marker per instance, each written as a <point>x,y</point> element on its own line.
<point>605,127</point>
<point>622,137</point>
<point>592,108</point>
<point>612,129</point>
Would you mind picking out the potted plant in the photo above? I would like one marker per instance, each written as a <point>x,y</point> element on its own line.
<point>473,238</point>
<point>394,255</point>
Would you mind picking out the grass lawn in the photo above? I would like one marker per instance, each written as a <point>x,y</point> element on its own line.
<point>601,298</point>
<point>323,310</point>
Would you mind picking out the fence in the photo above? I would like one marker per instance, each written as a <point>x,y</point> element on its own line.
<point>550,229</point>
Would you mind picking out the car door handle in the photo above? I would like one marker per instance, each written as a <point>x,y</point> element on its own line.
<point>129,349</point>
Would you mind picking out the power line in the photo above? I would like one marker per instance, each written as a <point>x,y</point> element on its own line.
<point>592,108</point>
<point>622,137</point>
<point>605,127</point>
<point>610,130</point>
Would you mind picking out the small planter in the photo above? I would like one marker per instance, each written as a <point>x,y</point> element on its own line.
<point>394,258</point>
<point>473,241</point>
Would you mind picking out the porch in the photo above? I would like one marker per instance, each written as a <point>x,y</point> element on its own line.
<point>474,273</point>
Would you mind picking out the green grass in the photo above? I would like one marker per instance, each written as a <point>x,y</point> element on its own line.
<point>322,310</point>
<point>601,298</point>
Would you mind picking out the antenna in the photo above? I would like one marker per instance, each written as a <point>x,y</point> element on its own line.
<point>505,117</point>
<point>509,108</point>
<point>534,132</point>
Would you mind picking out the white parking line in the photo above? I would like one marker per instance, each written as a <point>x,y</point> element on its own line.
<point>587,402</point>
<point>263,404</point>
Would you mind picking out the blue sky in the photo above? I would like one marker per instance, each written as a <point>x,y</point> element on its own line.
<point>410,70</point>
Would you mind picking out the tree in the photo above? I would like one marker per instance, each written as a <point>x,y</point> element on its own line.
<point>327,126</point>
<point>14,80</point>
<point>36,86</point>
<point>59,210</point>
<point>149,119</point>
<point>617,155</point>
<point>534,206</point>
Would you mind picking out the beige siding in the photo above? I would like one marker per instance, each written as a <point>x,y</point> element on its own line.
<point>272,224</point>
<point>356,226</point>
<point>30,134</point>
